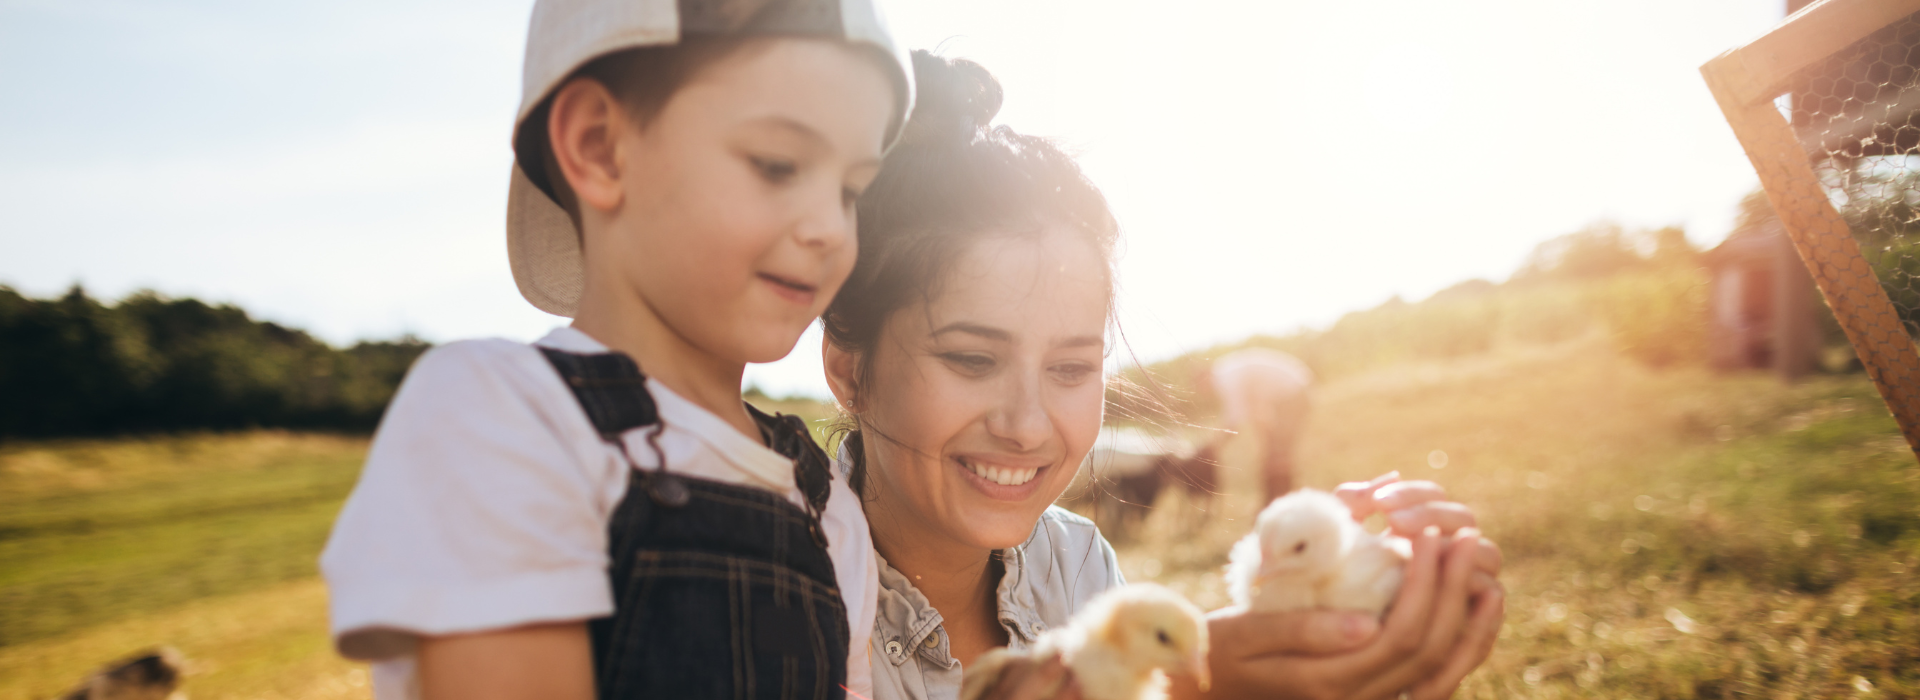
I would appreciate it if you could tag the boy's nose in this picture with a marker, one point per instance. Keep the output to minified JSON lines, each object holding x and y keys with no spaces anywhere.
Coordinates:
{"x":827,"y":225}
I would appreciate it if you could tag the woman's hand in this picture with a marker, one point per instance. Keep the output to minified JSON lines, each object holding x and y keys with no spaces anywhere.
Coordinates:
{"x":1034,"y":679}
{"x":1437,"y":633}
{"x":1411,"y":507}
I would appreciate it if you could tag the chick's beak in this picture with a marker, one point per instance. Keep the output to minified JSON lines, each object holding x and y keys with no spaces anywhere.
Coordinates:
{"x":1196,"y":666}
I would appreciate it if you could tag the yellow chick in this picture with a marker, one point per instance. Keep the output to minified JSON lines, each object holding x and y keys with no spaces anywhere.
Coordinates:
{"x":1306,"y":551}
{"x":1119,"y":646}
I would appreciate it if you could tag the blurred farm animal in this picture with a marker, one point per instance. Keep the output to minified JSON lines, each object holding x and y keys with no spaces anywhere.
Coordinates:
{"x":150,"y":675}
{"x":1132,"y":467}
{"x":1263,"y":393}
{"x":1119,"y":646}
{"x":1307,"y":551}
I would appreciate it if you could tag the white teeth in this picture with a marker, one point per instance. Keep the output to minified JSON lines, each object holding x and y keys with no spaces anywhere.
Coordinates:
{"x":1002,"y":475}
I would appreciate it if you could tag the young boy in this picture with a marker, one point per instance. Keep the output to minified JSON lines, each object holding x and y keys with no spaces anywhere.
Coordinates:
{"x":545,"y":521}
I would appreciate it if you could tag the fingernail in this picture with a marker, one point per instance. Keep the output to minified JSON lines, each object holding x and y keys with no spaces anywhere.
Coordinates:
{"x":1431,"y":531}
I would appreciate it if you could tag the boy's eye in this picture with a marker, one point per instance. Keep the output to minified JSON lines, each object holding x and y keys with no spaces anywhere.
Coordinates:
{"x":848,"y":196}
{"x":969,"y":362}
{"x":772,"y":169}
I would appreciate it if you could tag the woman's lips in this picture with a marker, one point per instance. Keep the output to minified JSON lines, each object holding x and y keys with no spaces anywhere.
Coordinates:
{"x":791,"y":290}
{"x":1001,"y":481}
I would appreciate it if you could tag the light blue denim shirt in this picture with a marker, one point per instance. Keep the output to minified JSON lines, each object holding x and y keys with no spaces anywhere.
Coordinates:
{"x":1061,"y":566}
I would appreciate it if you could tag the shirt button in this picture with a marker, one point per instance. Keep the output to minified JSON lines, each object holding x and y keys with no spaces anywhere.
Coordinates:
{"x":933,"y":640}
{"x":893,"y":647}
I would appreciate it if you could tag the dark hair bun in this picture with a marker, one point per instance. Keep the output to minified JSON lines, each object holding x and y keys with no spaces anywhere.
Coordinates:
{"x":954,"y":99}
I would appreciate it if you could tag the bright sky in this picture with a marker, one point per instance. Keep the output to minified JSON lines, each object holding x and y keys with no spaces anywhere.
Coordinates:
{"x":342,"y":166}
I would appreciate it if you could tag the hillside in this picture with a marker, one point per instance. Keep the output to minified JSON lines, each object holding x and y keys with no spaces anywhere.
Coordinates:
{"x":1670,"y":533}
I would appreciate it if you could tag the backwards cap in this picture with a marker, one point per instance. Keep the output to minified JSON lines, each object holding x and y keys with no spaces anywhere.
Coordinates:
{"x":542,"y":245}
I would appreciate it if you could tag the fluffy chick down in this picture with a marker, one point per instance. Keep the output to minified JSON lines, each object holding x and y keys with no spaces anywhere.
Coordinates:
{"x":1306,"y":551}
{"x":1119,"y":647}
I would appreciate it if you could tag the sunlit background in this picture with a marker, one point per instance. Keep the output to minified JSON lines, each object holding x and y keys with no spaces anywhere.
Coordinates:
{"x":341,"y":167}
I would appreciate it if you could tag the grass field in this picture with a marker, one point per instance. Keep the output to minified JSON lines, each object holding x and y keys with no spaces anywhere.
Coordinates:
{"x":1669,"y":534}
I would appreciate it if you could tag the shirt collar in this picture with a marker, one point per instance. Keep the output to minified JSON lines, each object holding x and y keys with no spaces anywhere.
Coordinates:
{"x":906,"y":624}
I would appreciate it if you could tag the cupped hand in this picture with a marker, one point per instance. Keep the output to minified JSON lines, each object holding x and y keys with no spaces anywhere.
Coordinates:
{"x":1034,"y":679}
{"x":1438,"y":631}
{"x":1411,"y":507}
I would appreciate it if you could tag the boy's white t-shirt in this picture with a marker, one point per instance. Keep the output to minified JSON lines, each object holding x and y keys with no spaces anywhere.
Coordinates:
{"x":485,"y":501}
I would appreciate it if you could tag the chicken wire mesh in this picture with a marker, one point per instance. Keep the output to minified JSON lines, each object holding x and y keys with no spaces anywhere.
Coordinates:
{"x":1824,"y":105}
{"x":1857,"y":114}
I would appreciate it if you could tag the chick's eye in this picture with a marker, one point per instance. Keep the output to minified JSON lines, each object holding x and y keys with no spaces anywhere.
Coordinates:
{"x":773,"y":170}
{"x":1162,"y":636}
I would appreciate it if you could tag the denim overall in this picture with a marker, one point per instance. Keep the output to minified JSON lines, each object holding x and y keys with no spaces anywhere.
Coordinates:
{"x":720,"y":590}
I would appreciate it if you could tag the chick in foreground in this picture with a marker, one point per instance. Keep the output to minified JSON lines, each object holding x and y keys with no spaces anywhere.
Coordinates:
{"x":1119,"y":647}
{"x":1306,"y":551}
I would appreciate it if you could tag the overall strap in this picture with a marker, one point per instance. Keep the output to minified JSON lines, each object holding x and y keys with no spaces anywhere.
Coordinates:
{"x":610,"y":387}
{"x":613,"y":392}
{"x":788,"y":435}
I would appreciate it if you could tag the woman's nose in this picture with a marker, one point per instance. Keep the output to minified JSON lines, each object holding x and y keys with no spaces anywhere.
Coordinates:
{"x":1022,"y":417}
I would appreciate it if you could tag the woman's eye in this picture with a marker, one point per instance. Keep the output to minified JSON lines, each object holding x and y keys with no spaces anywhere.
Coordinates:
{"x":848,"y":196}
{"x":968,"y":362}
{"x":1073,"y":373}
{"x":773,"y":170}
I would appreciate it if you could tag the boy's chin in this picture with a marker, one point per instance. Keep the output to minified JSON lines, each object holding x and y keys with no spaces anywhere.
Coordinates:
{"x":770,"y":347}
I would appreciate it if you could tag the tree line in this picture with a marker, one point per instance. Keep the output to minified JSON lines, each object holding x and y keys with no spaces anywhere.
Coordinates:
{"x":74,"y":366}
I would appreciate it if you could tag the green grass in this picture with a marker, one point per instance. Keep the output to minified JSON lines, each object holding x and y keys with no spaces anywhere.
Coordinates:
{"x":1777,"y":524}
{"x":92,"y":532}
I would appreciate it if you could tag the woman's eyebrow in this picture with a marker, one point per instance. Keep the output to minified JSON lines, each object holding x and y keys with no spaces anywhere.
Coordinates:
{"x":987,"y":332}
{"x":1081,"y":341}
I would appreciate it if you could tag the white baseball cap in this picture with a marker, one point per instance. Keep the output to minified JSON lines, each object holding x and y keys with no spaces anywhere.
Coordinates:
{"x":543,"y":247}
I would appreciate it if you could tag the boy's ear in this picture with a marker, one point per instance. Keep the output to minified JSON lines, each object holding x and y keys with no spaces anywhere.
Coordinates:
{"x":841,"y":368}
{"x":583,"y":131}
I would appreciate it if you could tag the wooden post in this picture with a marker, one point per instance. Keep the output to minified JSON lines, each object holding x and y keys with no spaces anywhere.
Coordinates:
{"x":1794,"y":340}
{"x":1745,"y":82}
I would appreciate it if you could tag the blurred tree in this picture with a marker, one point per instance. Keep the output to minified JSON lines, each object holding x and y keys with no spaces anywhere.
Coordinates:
{"x":73,"y":366}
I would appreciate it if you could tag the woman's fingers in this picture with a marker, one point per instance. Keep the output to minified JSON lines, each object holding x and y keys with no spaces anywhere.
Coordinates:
{"x":1028,"y":679}
{"x":1070,"y":691}
{"x":1359,"y":495}
{"x":1298,"y":632}
{"x":1402,"y":494}
{"x":1488,"y":557}
{"x":1474,"y":647}
{"x":1448,"y":615}
{"x":1446,"y":515}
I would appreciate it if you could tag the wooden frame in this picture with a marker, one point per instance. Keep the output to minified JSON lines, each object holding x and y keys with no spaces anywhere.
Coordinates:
{"x":1745,"y":81}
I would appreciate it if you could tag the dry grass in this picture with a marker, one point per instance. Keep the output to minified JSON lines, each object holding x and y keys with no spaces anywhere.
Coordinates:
{"x":1670,"y":534}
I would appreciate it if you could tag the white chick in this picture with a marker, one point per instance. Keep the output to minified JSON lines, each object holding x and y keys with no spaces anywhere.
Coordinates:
{"x":1306,"y":551}
{"x":1118,"y":646}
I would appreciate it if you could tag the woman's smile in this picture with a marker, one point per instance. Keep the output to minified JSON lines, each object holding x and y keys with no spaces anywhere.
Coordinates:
{"x":1001,"y":479}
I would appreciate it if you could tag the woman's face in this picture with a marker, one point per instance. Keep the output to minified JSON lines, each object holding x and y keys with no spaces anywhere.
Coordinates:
{"x":983,"y":402}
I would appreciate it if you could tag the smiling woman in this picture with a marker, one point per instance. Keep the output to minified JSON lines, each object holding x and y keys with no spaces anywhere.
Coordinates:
{"x":968,"y":345}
